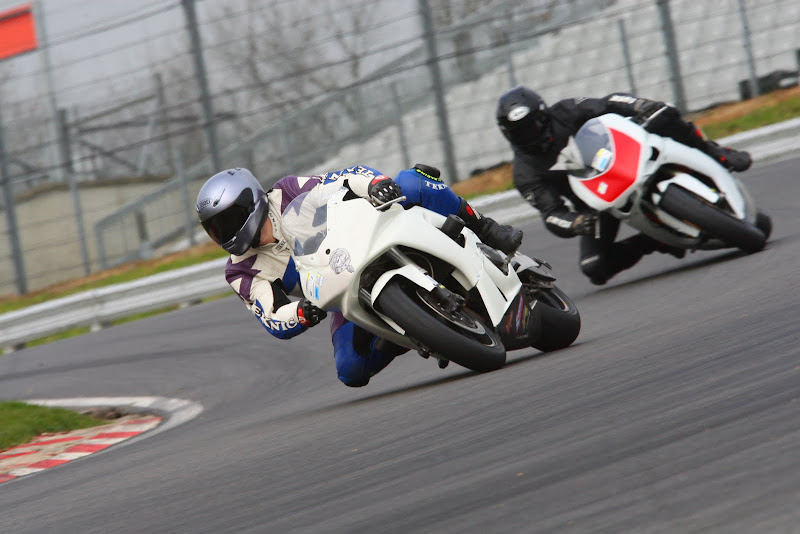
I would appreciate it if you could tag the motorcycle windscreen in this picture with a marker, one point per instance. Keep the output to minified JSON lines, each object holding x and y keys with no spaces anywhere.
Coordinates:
{"x":611,"y":160}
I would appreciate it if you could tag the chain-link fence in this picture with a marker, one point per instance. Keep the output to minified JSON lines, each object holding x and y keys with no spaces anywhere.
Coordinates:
{"x":423,"y":90}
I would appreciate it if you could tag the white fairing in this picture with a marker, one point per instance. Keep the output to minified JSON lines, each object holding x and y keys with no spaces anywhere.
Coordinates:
{"x":358,"y":234}
{"x":587,"y":170}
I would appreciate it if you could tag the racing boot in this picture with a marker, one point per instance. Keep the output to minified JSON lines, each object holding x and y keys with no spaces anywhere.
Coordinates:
{"x":731,"y":159}
{"x":503,"y":237}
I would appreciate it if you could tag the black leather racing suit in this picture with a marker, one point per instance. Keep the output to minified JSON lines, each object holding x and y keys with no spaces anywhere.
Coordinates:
{"x":546,"y":190}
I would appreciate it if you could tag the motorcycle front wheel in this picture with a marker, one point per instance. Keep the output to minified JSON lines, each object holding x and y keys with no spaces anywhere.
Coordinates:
{"x":460,"y":336}
{"x":685,"y":206}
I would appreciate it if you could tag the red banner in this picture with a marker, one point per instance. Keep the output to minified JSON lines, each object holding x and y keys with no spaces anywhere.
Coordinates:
{"x":17,"y":31}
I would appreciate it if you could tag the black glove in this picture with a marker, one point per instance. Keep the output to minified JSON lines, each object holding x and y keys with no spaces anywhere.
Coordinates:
{"x":382,"y":191}
{"x":308,"y":314}
{"x":645,"y":108}
{"x":584,"y":224}
{"x":658,"y":117}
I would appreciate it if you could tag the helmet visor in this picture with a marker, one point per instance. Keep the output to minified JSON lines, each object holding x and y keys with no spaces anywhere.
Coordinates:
{"x":529,"y":130}
{"x":224,"y":226}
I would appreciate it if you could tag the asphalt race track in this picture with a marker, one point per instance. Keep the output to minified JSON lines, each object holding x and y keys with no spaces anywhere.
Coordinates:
{"x":676,"y":411}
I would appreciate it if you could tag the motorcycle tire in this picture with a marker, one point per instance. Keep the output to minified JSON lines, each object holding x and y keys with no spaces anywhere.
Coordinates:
{"x":481,"y":353}
{"x":764,"y":223}
{"x":685,"y":206}
{"x":561,"y":321}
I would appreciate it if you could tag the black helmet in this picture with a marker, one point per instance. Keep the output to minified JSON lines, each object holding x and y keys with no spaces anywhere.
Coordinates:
{"x":523,"y":118}
{"x":232,"y":207}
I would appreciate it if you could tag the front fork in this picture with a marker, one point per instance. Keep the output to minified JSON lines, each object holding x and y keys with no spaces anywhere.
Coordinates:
{"x":521,"y":326}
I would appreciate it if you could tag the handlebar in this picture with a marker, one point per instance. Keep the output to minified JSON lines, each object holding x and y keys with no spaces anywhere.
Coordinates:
{"x":385,"y":205}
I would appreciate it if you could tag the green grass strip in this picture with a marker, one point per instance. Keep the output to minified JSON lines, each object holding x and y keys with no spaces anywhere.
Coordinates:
{"x":764,"y":116}
{"x":21,"y":422}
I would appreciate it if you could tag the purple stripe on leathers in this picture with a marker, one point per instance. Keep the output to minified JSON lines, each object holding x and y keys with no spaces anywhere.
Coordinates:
{"x":290,"y":187}
{"x":337,"y":320}
{"x":244,"y":270}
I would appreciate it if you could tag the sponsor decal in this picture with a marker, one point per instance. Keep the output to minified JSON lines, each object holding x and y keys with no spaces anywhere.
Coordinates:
{"x":437,"y":187}
{"x":360,"y":169}
{"x":602,"y":188}
{"x":314,"y":283}
{"x":340,"y":261}
{"x":278,"y":326}
{"x":624,"y":99}
{"x":203,"y":203}
{"x":518,"y":113}
{"x":561,"y":223}
{"x":428,"y":176}
{"x":602,"y":160}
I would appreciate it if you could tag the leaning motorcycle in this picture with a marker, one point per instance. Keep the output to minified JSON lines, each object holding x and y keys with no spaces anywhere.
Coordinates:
{"x":673,"y":193}
{"x":423,"y":281}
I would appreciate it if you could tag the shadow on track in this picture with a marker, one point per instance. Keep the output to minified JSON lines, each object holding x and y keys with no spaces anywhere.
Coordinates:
{"x":525,"y":355}
{"x":694,"y":266}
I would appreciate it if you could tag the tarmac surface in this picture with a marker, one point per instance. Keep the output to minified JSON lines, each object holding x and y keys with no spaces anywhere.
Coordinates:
{"x":675,"y":411}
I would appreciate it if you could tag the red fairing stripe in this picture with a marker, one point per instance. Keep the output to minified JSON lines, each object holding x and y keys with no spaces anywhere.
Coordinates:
{"x":622,"y":173}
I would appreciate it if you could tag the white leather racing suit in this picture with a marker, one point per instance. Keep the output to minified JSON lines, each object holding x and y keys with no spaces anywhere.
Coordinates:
{"x":264,"y":276}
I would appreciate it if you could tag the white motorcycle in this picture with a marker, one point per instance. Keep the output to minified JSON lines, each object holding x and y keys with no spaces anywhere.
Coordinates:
{"x":422,"y":281}
{"x":669,"y":191}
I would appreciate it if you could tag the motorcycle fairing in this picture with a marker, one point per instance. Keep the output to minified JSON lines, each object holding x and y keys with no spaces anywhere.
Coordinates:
{"x":612,"y":183}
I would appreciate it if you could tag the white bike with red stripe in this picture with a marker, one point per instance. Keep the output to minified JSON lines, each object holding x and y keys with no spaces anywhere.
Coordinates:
{"x":669,"y":191}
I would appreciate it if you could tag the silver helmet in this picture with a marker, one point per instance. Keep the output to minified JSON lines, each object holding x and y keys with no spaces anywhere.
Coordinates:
{"x":232,"y":207}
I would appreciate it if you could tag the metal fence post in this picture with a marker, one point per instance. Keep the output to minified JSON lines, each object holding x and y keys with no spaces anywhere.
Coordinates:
{"x":163,"y":118}
{"x":49,"y":84}
{"x":286,"y":143}
{"x":512,"y":75}
{"x":401,"y":130}
{"x":748,"y":48}
{"x":145,"y":249}
{"x":438,"y":91}
{"x":189,"y":219}
{"x":102,"y":261}
{"x":626,"y":54}
{"x":672,"y":55}
{"x":66,"y":165}
{"x":11,"y":217}
{"x":202,"y":82}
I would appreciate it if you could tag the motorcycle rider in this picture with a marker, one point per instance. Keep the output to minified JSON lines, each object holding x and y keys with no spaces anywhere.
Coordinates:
{"x":245,"y":220}
{"x":537,"y":134}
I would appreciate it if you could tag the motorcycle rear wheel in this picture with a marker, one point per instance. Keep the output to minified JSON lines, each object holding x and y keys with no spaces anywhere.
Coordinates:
{"x":560,"y":319}
{"x":481,"y":352}
{"x":683,"y":205}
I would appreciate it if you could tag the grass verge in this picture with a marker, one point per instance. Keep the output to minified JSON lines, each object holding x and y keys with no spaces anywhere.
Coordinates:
{"x":21,"y":422}
{"x":739,"y":117}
